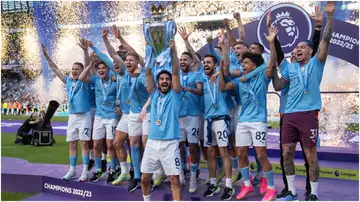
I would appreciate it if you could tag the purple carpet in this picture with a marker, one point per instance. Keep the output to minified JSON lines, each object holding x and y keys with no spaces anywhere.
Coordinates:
{"x":19,"y":175}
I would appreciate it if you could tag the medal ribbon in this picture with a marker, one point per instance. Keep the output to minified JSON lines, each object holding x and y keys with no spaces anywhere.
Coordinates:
{"x":304,"y":81}
{"x":74,"y":86}
{"x":105,"y":92}
{"x":162,"y":102}
{"x":212,"y":95}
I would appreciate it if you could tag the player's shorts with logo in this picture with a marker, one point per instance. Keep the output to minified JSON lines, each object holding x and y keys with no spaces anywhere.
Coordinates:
{"x":300,"y":126}
{"x":251,"y":134}
{"x":79,"y":127}
{"x":189,"y":129}
{"x":104,"y":128}
{"x":161,"y":153}
{"x":137,"y":127}
{"x":220,"y":133}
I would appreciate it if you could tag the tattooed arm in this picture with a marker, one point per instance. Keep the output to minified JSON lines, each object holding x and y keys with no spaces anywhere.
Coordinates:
{"x":325,"y":42}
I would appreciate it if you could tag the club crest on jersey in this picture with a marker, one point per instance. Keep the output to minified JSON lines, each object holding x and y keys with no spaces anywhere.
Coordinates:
{"x":113,"y":78}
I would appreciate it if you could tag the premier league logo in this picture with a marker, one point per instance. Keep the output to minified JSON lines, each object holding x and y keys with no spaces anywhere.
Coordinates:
{"x":293,"y":23}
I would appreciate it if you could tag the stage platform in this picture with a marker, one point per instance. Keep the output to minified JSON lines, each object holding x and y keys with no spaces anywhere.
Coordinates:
{"x":45,"y":180}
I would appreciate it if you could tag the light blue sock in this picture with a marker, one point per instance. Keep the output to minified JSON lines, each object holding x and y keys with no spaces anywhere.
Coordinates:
{"x":245,"y":173}
{"x":98,"y":163}
{"x":135,"y":155}
{"x":85,"y":160}
{"x":194,"y":167}
{"x":219,"y":162}
{"x":73,"y":160}
{"x":234,"y":162}
{"x":182,"y":166}
{"x":269,"y":177}
{"x":113,"y":164}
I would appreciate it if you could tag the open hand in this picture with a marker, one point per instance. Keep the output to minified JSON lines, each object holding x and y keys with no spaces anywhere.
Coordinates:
{"x":183,"y":33}
{"x":105,"y":33}
{"x":318,"y":15}
{"x":83,"y":44}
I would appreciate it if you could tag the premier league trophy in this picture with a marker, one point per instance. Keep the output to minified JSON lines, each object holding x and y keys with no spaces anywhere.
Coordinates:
{"x":159,"y":29}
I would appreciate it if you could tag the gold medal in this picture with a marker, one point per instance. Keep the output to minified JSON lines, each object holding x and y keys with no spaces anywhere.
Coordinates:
{"x":117,"y":102}
{"x":127,"y":101}
{"x":158,"y":122}
{"x":214,"y":106}
{"x":304,"y":91}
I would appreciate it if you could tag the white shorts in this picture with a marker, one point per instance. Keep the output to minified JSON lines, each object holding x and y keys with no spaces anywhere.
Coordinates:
{"x":123,"y":123}
{"x":201,"y":128}
{"x":220,"y":134}
{"x":137,"y":127}
{"x":79,"y":127}
{"x":251,"y":134}
{"x":161,"y":153}
{"x":104,"y":128}
{"x":233,"y":122}
{"x":189,"y":129}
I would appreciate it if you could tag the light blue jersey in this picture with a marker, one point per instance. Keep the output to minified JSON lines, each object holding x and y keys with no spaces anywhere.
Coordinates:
{"x":165,"y":110}
{"x":105,"y":93}
{"x":138,"y":94}
{"x":78,"y":96}
{"x":190,"y":103}
{"x":122,"y":92}
{"x":214,"y":98}
{"x":283,"y":96}
{"x":253,"y":98}
{"x":304,"y":85}
{"x":92,"y":99}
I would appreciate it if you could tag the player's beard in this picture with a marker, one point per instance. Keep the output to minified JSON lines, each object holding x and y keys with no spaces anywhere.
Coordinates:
{"x":165,"y":89}
{"x":185,"y":69}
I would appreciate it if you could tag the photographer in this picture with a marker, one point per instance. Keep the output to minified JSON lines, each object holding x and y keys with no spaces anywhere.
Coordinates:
{"x":23,"y":135}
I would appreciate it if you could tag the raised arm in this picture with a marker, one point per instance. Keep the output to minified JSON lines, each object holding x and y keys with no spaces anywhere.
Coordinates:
{"x":83,"y":45}
{"x":102,"y":56}
{"x":241,"y":28}
{"x":53,"y":66}
{"x":225,"y":56}
{"x":325,"y":42}
{"x":318,"y":17}
{"x":278,"y":82}
{"x":110,"y":49}
{"x":126,"y":45}
{"x":230,"y":36}
{"x":224,"y":86}
{"x":150,"y":84}
{"x":272,"y":64}
{"x":175,"y":68}
{"x":185,"y":36}
{"x":84,"y":76}
{"x":211,"y":48}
